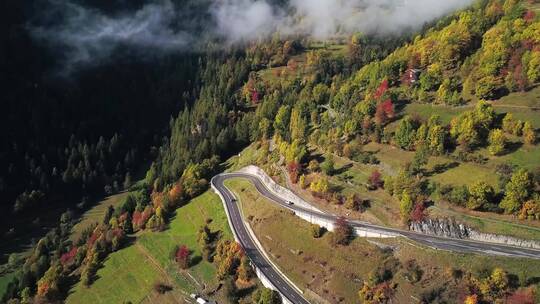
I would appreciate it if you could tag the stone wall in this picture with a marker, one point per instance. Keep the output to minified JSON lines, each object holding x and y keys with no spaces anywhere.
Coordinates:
{"x":314,"y":219}
{"x":453,"y":229}
{"x":276,"y":188}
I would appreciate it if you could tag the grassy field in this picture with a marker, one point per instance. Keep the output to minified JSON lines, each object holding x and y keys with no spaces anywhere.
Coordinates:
{"x":273,"y":75}
{"x":125,"y":276}
{"x":523,"y":105}
{"x":248,"y":156}
{"x":129,"y":274}
{"x":312,"y":263}
{"x":426,"y":110}
{"x":4,"y":281}
{"x":336,"y":273}
{"x":466,"y":174}
{"x":525,"y":157}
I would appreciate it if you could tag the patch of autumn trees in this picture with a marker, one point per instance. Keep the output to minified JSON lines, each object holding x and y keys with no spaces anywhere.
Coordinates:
{"x":497,"y":286}
{"x":233,"y":267}
{"x":487,"y":286}
{"x":45,"y":272}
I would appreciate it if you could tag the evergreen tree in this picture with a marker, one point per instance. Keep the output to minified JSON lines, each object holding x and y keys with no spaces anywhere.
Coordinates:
{"x":405,"y":133}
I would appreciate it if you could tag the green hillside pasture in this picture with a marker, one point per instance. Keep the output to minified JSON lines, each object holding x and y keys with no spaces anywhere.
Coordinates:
{"x":129,"y":274}
{"x":426,"y":110}
{"x":4,"y":281}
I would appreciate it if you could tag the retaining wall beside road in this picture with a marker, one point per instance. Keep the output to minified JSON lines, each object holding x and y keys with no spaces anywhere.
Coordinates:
{"x":276,"y":188}
{"x":289,"y":195}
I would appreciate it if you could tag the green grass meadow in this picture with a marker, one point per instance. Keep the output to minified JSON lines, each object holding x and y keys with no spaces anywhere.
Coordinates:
{"x":129,"y":274}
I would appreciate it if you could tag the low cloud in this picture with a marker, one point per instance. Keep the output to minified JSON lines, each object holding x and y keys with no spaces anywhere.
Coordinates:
{"x":84,"y":35}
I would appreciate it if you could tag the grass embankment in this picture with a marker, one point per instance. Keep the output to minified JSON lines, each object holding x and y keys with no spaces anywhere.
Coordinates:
{"x":129,"y":274}
{"x":311,"y":263}
{"x":336,"y":273}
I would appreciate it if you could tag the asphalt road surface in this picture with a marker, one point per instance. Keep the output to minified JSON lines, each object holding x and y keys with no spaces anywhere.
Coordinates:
{"x":250,"y":248}
{"x":437,"y":242}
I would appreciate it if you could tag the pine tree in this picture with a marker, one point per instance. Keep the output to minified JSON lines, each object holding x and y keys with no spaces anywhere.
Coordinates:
{"x":405,"y":133}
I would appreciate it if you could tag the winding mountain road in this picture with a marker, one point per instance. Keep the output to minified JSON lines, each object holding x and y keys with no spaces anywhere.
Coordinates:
{"x":285,"y":288}
{"x":251,"y":250}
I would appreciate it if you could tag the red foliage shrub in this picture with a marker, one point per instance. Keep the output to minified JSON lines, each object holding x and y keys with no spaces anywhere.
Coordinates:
{"x":254,"y":97}
{"x":343,"y":232}
{"x":383,"y":87}
{"x":92,"y":239}
{"x":418,"y":214}
{"x":520,"y":78}
{"x":385,"y":111}
{"x":294,"y":169}
{"x":136,"y":219}
{"x":521,"y":296}
{"x":67,"y":257}
{"x":122,"y":218}
{"x":176,"y":193}
{"x":529,"y":16}
{"x":182,"y":257}
{"x":375,"y":180}
{"x":388,"y":108}
{"x":118,"y":232}
{"x":43,"y":289}
{"x":527,"y":44}
{"x":139,"y":219}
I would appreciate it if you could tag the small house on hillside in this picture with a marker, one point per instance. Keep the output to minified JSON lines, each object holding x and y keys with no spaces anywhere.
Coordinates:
{"x":412,"y":75}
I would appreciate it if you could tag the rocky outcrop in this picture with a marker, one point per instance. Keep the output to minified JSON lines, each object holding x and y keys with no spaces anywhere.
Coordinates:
{"x":441,"y":227}
{"x":453,"y":229}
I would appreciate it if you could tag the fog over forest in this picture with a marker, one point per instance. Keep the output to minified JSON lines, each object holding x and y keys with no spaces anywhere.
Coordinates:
{"x":82,"y":34}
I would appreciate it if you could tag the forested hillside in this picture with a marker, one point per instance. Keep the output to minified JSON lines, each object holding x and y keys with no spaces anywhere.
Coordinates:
{"x":176,"y":117}
{"x":67,"y":139}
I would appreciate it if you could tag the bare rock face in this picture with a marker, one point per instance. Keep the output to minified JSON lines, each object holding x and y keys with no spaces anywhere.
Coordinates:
{"x":453,"y":229}
{"x":441,"y":227}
